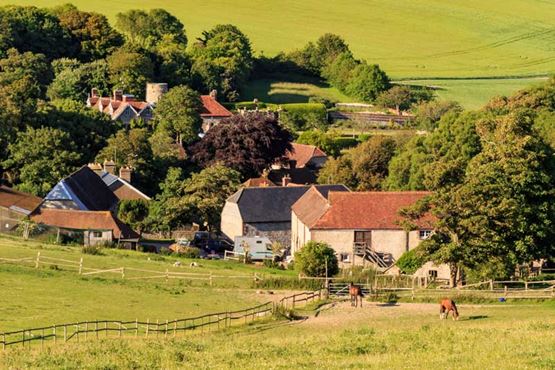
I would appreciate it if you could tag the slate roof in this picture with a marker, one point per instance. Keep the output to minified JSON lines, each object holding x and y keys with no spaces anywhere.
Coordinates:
{"x":273,"y":204}
{"x":113,"y":182}
{"x":368,"y":210}
{"x":18,"y":201}
{"x":84,"y":220}
{"x":82,"y":190}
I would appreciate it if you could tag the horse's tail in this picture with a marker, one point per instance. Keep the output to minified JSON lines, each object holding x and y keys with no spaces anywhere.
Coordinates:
{"x":360,"y":293}
{"x":455,"y":308}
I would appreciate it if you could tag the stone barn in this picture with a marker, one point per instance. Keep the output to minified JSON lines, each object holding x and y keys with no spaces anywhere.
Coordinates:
{"x":266,"y":211}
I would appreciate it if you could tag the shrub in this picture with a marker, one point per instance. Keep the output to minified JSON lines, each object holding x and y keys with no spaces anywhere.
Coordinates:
{"x":410,"y":261}
{"x":189,"y":252}
{"x":165,"y":251}
{"x":92,"y":250}
{"x":273,"y":264}
{"x":313,"y":257}
{"x":303,"y":116}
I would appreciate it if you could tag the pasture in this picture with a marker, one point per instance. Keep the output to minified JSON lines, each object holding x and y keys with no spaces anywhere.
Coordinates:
{"x":429,"y":38}
{"x":336,"y":336}
{"x":56,"y":293}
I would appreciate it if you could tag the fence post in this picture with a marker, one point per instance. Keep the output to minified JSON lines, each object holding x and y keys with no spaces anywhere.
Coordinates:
{"x":37,"y":261}
{"x":65,"y":333}
{"x":86,"y":330}
{"x":505,"y":291}
{"x":491,"y":285}
{"x":96,"y":328}
{"x":81,"y":266}
{"x":123,"y":272}
{"x":54,"y":331}
{"x":525,"y":285}
{"x":157,"y":328}
{"x":166,"y":331}
{"x":23,"y":341}
{"x":147,"y":327}
{"x":175,"y":328}
{"x":4,"y":341}
{"x":119,"y":334}
{"x":294,"y":297}
{"x":167,"y":275}
{"x":42,"y":339}
{"x":210,"y":278}
{"x":136,"y":327}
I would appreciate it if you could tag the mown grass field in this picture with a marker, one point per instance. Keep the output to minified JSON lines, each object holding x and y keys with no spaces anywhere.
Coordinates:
{"x":33,"y":297}
{"x":340,"y":337}
{"x":429,"y":38}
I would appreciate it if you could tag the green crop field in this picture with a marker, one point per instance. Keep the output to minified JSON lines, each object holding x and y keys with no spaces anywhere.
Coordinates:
{"x":377,"y":336}
{"x":54,"y":295}
{"x":409,"y":39}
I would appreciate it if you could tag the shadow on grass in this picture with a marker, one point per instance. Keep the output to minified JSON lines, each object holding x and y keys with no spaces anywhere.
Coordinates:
{"x":477,"y":317}
{"x":387,"y":304}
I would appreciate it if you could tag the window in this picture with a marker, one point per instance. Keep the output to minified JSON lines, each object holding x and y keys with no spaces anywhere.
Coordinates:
{"x":97,"y":234}
{"x":344,"y":257}
{"x":424,"y":234}
{"x":432,"y":274}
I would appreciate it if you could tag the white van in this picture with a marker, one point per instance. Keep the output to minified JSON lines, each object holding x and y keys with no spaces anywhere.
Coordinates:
{"x":260,"y":248}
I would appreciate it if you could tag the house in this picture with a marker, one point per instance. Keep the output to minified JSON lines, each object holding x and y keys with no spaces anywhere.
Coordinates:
{"x":120,"y":185}
{"x":82,"y":190}
{"x":362,"y":227}
{"x":15,"y":206}
{"x":121,"y":107}
{"x":301,"y":166}
{"x":97,"y":227}
{"x":212,"y":111}
{"x":266,"y":211}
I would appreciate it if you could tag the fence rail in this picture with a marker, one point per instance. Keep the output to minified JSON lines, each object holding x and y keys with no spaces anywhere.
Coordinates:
{"x":84,"y":330}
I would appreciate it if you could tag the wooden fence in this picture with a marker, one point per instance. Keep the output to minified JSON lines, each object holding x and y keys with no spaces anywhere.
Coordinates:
{"x":85,"y":330}
{"x":127,"y":273}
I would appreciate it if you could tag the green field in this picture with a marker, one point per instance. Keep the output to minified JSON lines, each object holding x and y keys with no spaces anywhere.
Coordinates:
{"x":45,"y":296}
{"x":339,"y":337}
{"x":428,"y":38}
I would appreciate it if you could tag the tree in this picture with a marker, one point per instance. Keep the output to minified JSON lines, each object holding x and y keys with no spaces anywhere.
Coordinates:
{"x":92,"y":32}
{"x":34,"y":68}
{"x":148,"y":29}
{"x":340,"y":70}
{"x":327,"y":141}
{"x":75,"y":81}
{"x":362,"y":168}
{"x":178,"y":114}
{"x":134,"y":213}
{"x":429,"y":113}
{"x":39,"y":158}
{"x":30,"y":29}
{"x":223,"y":60}
{"x":206,"y":193}
{"x":130,"y":71}
{"x":314,"y":257}
{"x":367,"y":82}
{"x":398,"y":97}
{"x":247,"y":143}
{"x":166,"y":212}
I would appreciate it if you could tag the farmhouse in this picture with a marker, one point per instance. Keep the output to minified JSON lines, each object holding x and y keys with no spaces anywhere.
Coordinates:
{"x":266,"y":211}
{"x":301,"y":166}
{"x":121,"y":107}
{"x":212,"y":111}
{"x":96,"y":227}
{"x":82,"y":190}
{"x":120,"y":185}
{"x":360,"y":226}
{"x":15,"y":206}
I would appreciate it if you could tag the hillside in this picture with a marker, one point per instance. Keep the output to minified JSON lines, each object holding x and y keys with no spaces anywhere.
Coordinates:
{"x":429,"y":38}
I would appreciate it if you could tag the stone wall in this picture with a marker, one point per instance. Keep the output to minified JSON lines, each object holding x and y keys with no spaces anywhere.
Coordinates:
{"x":275,"y":231}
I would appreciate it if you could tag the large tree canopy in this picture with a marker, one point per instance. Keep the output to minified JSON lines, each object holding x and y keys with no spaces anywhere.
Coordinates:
{"x":130,"y":71}
{"x":248,"y":143}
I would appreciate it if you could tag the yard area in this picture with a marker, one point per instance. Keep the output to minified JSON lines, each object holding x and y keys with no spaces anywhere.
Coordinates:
{"x":405,"y":335}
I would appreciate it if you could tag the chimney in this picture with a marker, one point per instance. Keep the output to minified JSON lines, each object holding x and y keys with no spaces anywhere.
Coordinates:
{"x":125,"y":173}
{"x":214,"y":94}
{"x":96,"y":167}
{"x":128,"y":97}
{"x":154,"y":91}
{"x":118,"y":94}
{"x":292,"y":164}
{"x":94,"y":92}
{"x":285,"y":180}
{"x":110,"y":167}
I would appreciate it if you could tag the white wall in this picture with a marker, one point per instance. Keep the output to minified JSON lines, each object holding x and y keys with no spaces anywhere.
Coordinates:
{"x":232,"y":223}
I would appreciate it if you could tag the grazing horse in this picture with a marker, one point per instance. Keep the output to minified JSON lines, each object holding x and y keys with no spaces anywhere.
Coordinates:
{"x":447,"y":305}
{"x":355,"y":291}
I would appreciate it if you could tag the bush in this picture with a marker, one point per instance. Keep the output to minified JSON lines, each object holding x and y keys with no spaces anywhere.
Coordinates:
{"x":95,"y":250}
{"x":410,"y":261}
{"x":273,"y":264}
{"x":299,"y":116}
{"x":311,"y":260}
{"x":189,"y":252}
{"x":164,"y":251}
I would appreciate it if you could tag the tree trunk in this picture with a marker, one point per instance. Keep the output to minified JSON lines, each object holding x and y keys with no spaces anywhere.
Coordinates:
{"x":453,"y":269}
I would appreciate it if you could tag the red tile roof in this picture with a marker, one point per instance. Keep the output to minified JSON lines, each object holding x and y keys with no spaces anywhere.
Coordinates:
{"x":303,"y":153}
{"x":258,"y":182}
{"x":17,"y":200}
{"x":211,"y":108}
{"x":84,"y":220}
{"x":368,"y":210}
{"x":310,"y":207}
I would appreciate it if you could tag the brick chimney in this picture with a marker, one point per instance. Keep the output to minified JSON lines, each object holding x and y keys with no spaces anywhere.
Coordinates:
{"x":125,"y":173}
{"x":214,"y":94}
{"x":96,"y":167}
{"x":110,"y":167}
{"x":128,"y":97}
{"x":118,"y":95}
{"x":285,"y":180}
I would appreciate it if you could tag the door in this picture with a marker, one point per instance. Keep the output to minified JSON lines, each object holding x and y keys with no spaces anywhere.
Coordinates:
{"x":363,"y":238}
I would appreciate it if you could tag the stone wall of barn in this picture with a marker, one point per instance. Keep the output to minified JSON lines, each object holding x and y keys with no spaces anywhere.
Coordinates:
{"x":275,"y":231}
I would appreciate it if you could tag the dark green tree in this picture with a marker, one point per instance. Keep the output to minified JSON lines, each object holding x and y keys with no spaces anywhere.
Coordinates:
{"x":367,"y":82}
{"x":134,"y":213}
{"x":314,"y":257}
{"x":130,"y":71}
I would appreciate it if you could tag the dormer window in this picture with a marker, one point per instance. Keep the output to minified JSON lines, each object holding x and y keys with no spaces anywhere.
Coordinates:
{"x":424,"y":234}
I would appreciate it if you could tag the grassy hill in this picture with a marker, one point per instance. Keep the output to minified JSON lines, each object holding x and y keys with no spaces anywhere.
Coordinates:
{"x":429,"y":38}
{"x":56,"y":294}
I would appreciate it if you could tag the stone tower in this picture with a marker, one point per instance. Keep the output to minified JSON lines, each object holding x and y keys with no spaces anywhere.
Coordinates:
{"x":155,"y":90}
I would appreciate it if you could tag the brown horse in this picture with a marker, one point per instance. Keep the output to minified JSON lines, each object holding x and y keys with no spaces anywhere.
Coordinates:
{"x":447,"y":305}
{"x":355,"y":291}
